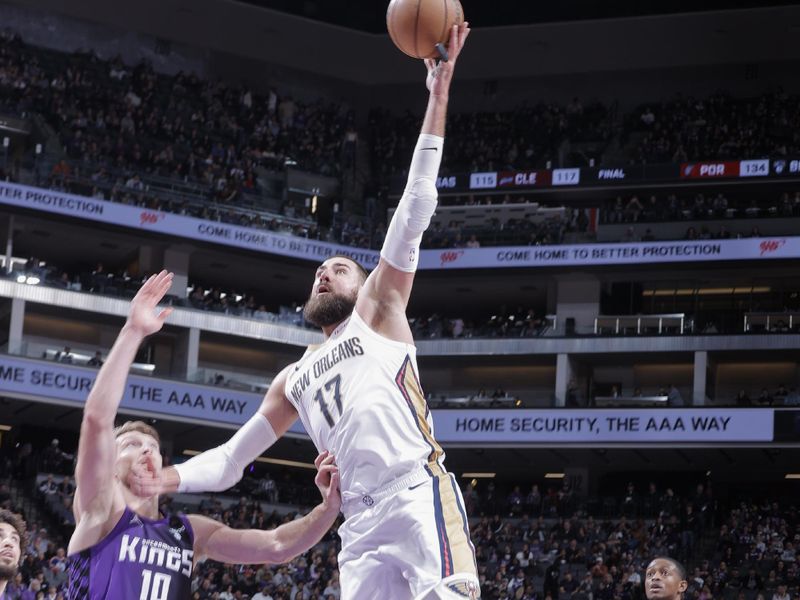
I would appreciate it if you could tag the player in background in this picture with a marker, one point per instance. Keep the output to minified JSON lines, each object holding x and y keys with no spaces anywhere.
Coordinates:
{"x":12,"y":541}
{"x":665,"y":579}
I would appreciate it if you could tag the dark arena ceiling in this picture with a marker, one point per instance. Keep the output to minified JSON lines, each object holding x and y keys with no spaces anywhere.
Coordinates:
{"x":370,"y":15}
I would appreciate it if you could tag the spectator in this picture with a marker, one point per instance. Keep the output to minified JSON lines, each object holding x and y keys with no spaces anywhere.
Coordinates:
{"x":516,"y":584}
{"x":551,"y":582}
{"x":764,"y":398}
{"x":525,"y":557}
{"x":262,"y":595}
{"x":632,"y":577}
{"x":630,"y":501}
{"x":742,"y":399}
{"x":53,"y":458}
{"x":792,"y":398}
{"x":67,"y":487}
{"x":48,"y":487}
{"x":56,"y":574}
{"x":599,"y":570}
{"x":781,"y":593}
{"x":64,"y":356}
{"x":752,"y":581}
{"x":633,"y":210}
{"x":269,"y":489}
{"x":780,"y":394}
{"x":533,"y":501}
{"x":96,"y":360}
{"x":674,"y":398}
{"x":16,"y":587}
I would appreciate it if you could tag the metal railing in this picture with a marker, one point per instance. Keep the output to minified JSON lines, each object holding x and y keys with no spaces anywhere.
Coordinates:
{"x":622,"y":323}
{"x":474,"y":401}
{"x":781,"y":321}
{"x":606,"y":401}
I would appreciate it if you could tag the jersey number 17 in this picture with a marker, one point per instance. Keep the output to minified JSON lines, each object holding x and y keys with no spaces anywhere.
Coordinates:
{"x":323,"y":397}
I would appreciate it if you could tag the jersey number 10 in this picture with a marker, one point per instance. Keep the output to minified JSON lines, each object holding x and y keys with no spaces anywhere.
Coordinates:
{"x":155,"y":586}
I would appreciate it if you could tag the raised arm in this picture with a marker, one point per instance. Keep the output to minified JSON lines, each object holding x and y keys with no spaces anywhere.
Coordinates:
{"x":252,"y":546}
{"x":382,"y":303}
{"x":220,"y":468}
{"x":94,"y":473}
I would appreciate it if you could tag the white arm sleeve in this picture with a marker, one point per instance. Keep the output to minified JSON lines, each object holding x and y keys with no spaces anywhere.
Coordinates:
{"x":218,"y":469}
{"x":416,"y":207}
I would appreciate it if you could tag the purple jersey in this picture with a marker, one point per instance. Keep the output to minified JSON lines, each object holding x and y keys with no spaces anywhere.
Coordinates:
{"x":140,"y":559}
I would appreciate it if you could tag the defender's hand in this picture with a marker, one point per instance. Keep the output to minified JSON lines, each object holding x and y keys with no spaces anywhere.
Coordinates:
{"x":142,"y":316}
{"x":327,"y":481}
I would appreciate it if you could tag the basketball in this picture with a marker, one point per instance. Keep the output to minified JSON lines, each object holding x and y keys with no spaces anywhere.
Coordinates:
{"x":416,"y":26}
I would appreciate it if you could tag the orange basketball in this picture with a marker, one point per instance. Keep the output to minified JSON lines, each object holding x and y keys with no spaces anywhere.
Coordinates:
{"x":416,"y":26}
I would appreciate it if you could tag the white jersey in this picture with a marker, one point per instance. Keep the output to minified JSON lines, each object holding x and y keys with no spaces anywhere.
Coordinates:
{"x":359,"y":397}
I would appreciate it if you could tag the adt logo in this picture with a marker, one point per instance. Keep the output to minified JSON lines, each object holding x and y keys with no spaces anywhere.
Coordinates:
{"x":450,"y":256}
{"x":770,"y":246}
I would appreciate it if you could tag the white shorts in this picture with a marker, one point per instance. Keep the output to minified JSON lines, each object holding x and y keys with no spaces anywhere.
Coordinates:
{"x":410,"y":544}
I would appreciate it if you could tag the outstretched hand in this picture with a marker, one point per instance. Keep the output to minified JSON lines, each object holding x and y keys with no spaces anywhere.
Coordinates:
{"x":327,"y":481}
{"x":142,"y":316}
{"x":440,"y":72}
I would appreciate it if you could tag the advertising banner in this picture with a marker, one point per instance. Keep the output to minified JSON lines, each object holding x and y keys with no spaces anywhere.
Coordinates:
{"x":45,"y":381}
{"x":269,"y":242}
{"x":595,"y":426}
{"x":611,"y":254}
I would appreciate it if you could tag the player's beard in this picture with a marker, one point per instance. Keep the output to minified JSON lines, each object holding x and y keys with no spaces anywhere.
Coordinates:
{"x":8,"y":572}
{"x":329,"y":309}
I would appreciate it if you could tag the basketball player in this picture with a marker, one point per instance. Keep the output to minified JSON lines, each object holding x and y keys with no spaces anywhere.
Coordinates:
{"x":665,"y":579}
{"x":121,"y":547}
{"x":12,"y":540}
{"x":358,"y":396}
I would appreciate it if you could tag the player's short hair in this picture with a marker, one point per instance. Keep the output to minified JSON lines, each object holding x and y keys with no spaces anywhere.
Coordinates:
{"x":16,"y":521}
{"x":139,"y":426}
{"x":361,"y":268}
{"x":678,"y":566}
